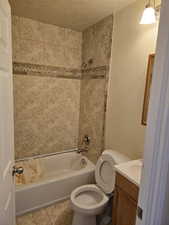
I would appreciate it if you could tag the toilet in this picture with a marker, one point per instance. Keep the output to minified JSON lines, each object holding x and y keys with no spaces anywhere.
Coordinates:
{"x":90,"y":200}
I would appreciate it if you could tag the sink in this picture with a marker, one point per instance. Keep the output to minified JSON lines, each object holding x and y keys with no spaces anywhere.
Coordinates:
{"x":131,"y":170}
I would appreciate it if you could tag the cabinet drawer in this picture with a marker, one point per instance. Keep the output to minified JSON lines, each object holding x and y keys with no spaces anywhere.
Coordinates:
{"x":131,"y":189}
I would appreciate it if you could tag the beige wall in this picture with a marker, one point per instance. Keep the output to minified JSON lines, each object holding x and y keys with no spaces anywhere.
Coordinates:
{"x":131,"y":46}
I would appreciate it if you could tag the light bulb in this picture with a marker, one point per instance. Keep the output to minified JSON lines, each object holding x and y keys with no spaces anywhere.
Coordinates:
{"x":149,"y":16}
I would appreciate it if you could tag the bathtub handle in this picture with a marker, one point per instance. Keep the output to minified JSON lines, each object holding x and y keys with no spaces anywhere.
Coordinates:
{"x":17,"y":170}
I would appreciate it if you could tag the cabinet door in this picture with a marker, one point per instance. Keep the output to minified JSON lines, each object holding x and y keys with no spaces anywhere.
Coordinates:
{"x":125,"y":209}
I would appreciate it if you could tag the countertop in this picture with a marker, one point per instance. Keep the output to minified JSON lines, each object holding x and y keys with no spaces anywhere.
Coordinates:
{"x":131,"y":170}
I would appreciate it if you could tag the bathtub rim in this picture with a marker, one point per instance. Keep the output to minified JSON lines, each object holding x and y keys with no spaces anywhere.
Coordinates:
{"x":75,"y":150}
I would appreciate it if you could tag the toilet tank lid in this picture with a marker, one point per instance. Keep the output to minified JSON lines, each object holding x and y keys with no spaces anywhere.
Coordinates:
{"x":117,"y":156}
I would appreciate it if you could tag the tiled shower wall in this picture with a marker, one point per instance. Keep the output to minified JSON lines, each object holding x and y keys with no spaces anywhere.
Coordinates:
{"x":47,"y":97}
{"x":45,"y":44}
{"x":96,"y":52}
{"x":58,"y":101}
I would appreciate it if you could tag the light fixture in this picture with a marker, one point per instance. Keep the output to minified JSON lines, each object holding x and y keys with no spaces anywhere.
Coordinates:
{"x":149,"y":14}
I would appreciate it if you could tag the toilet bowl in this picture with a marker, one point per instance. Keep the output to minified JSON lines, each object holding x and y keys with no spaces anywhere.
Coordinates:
{"x":91,"y":200}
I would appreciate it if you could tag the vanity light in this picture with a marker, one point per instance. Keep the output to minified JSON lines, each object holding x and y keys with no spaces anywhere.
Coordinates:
{"x":149,"y":14}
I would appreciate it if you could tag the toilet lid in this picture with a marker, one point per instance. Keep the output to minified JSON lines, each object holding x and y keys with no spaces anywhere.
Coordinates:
{"x":105,"y":173}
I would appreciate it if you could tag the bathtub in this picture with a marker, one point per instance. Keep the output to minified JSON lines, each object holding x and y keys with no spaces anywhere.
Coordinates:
{"x":59,"y":176}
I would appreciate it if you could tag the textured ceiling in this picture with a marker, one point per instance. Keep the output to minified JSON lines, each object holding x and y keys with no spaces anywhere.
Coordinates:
{"x":74,"y":14}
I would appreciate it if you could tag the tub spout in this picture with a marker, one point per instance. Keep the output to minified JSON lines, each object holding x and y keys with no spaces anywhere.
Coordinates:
{"x":85,"y":144}
{"x":80,"y":150}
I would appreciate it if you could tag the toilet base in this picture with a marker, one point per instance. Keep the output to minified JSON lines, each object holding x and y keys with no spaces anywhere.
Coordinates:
{"x":83,"y":219}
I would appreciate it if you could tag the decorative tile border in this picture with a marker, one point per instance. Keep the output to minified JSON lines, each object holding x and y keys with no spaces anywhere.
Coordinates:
{"x":47,"y":71}
{"x":59,"y":72}
{"x":95,"y":73}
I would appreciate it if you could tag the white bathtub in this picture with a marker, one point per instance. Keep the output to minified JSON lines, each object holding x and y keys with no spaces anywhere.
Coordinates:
{"x":61,"y":175}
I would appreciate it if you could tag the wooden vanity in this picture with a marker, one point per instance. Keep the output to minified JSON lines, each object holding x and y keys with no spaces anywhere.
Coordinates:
{"x":125,"y":197}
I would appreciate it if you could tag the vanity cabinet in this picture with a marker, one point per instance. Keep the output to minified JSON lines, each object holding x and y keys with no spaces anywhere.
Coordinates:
{"x":125,"y":201}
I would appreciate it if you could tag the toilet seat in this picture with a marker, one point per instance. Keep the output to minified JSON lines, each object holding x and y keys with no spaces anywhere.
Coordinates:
{"x":91,"y":199}
{"x":105,"y":173}
{"x":88,"y":199}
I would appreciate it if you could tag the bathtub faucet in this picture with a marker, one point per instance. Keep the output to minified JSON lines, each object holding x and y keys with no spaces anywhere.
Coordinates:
{"x":80,"y":150}
{"x":86,"y":140}
{"x":85,"y":144}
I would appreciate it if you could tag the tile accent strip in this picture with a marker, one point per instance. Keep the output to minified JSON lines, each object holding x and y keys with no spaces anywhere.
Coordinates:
{"x":46,"y":71}
{"x":59,"y":72}
{"x":95,"y":73}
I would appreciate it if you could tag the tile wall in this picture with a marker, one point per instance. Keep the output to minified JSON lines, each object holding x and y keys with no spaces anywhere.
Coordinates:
{"x":96,"y":53}
{"x":57,"y":101}
{"x":45,"y":44}
{"x":46,"y":87}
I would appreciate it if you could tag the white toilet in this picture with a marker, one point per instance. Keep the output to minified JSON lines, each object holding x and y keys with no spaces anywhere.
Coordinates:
{"x":90,"y":200}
